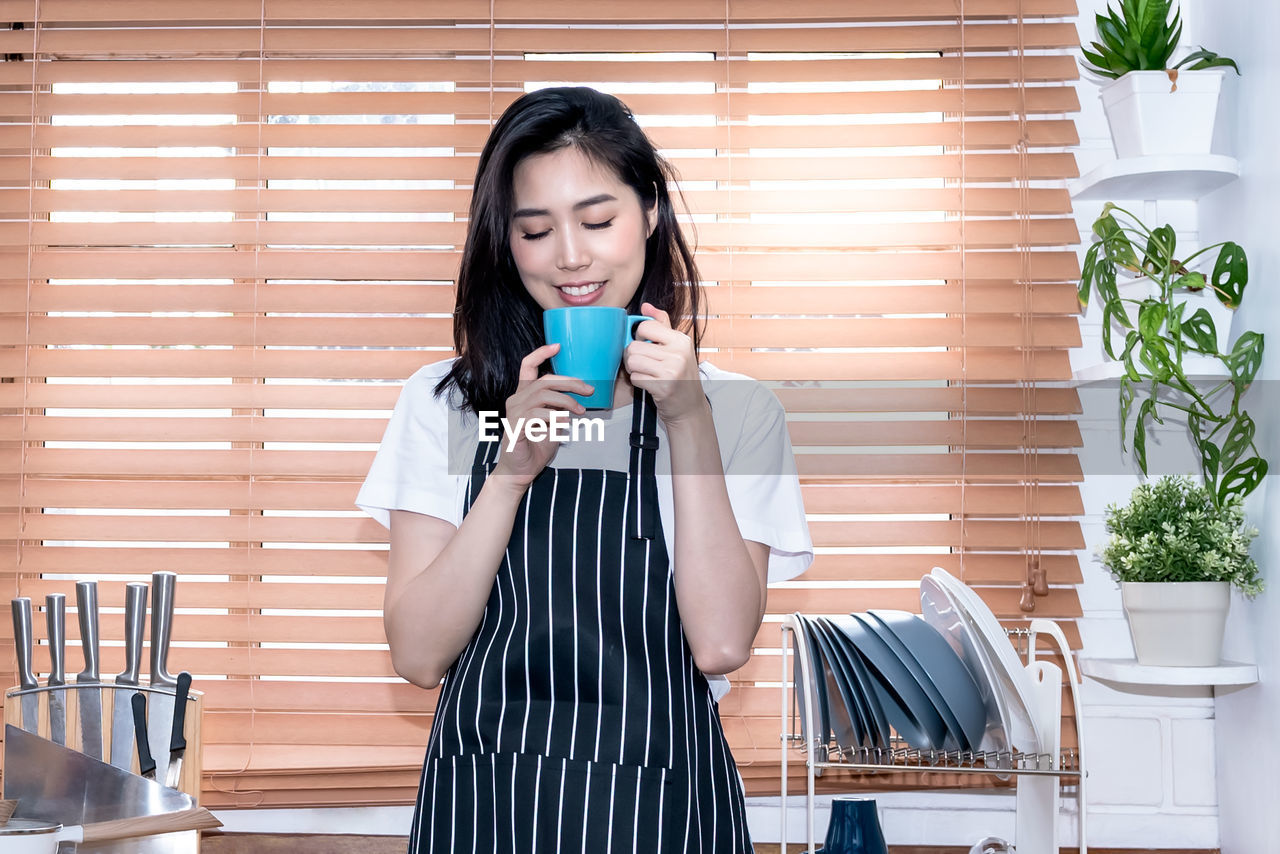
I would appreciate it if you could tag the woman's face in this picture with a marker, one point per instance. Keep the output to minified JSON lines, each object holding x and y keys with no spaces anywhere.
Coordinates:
{"x":578,"y":233}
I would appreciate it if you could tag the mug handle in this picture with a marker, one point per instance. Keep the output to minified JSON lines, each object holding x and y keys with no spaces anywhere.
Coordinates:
{"x":629,"y":334}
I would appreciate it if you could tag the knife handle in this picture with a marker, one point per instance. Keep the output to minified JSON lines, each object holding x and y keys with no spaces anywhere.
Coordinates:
{"x":87,"y":612}
{"x":179,"y":740}
{"x":55,"y":606}
{"x":146,"y":764}
{"x":135,"y":616}
{"x":22,"y":642}
{"x":162,"y":585}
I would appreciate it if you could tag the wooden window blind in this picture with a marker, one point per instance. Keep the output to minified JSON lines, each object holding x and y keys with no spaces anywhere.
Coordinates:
{"x":230,"y":228}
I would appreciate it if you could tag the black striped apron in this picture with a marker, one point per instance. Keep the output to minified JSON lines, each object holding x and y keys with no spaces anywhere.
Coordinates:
{"x":575,"y":719}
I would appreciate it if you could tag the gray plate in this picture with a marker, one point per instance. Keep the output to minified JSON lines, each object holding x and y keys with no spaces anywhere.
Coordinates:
{"x":906,"y":707}
{"x":862,"y":691}
{"x":822,"y":713}
{"x":959,"y":699}
{"x":846,"y":719}
{"x":797,"y":676}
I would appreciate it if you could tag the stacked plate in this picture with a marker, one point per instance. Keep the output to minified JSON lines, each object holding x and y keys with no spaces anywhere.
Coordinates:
{"x":947,"y":680}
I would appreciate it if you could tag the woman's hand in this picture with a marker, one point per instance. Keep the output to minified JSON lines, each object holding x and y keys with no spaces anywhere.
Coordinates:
{"x":535,"y":398}
{"x":666,"y":366}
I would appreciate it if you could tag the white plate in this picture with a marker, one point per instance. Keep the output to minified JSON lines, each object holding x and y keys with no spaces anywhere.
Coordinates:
{"x":940,"y":611}
{"x":1011,"y":682}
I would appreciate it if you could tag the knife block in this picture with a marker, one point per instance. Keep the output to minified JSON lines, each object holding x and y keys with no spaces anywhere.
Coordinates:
{"x":191,"y":765}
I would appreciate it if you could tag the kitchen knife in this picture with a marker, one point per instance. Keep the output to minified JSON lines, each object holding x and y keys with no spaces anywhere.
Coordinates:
{"x":90,"y":698}
{"x":178,"y":743}
{"x":26,"y":678}
{"x":160,"y":713}
{"x":55,"y":606}
{"x":146,"y":764}
{"x":135,"y":614}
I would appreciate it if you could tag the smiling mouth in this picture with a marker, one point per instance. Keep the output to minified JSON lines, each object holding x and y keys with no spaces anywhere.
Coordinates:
{"x":582,"y":290}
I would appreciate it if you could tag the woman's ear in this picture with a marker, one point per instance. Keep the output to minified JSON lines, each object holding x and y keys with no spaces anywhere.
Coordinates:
{"x":651,"y":215}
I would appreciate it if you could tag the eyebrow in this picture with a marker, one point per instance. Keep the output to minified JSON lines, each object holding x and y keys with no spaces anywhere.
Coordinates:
{"x":585,"y":203}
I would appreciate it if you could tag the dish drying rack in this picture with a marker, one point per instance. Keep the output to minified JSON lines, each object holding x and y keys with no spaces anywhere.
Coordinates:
{"x":1039,"y":775}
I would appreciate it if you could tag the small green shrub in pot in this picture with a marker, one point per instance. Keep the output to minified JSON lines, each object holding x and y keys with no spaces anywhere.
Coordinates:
{"x":1172,"y":529}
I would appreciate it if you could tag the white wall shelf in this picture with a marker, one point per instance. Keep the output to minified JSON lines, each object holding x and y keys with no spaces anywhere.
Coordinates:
{"x":1156,"y":177}
{"x":1196,"y":366}
{"x":1129,"y":672}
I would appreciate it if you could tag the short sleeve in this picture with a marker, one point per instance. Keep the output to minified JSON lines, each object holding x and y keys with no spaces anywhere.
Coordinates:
{"x":764,"y":488}
{"x":411,"y":468}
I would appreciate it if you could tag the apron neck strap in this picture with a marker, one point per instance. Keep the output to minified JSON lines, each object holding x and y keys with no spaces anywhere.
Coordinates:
{"x":642,"y":513}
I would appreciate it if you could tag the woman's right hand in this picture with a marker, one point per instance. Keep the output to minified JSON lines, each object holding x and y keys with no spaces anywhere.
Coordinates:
{"x":535,"y":397}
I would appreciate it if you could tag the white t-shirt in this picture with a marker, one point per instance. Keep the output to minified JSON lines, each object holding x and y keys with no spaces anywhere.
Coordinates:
{"x":424,"y":462}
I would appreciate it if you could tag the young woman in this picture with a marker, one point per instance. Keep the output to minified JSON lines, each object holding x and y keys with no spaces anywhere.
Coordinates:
{"x":581,"y":600}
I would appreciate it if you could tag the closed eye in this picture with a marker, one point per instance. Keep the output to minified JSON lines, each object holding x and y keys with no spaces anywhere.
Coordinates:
{"x":594,"y":226}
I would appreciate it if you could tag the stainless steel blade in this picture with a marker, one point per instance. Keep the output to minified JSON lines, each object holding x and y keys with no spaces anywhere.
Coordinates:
{"x":26,"y":677}
{"x":135,"y":613}
{"x":31,"y":712}
{"x":55,"y":783}
{"x":160,"y":705}
{"x":55,"y":605}
{"x":90,"y":699}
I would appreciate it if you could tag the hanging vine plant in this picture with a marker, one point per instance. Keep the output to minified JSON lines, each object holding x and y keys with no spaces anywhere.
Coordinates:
{"x":1159,"y":336}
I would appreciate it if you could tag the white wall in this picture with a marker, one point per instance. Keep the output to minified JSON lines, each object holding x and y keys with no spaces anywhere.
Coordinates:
{"x":1152,"y":752}
{"x":1246,"y":211}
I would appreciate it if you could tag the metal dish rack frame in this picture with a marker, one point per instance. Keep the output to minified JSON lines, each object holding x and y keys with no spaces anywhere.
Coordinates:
{"x":1039,"y":775}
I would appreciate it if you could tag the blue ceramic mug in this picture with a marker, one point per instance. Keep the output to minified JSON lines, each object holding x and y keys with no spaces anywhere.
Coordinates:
{"x":854,"y":828}
{"x":591,"y":339}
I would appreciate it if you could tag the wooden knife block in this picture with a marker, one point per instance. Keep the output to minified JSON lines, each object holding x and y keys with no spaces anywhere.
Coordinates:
{"x":191,"y":763}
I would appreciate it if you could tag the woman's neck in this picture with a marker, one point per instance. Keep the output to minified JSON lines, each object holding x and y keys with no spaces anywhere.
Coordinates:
{"x":621,"y":389}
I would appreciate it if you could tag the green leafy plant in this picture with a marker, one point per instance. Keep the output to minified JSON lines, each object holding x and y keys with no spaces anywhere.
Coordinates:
{"x":1175,"y":530}
{"x":1158,"y":334}
{"x":1142,"y":37}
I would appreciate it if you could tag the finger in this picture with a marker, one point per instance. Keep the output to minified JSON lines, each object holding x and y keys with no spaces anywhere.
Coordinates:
{"x":653,"y":331}
{"x":648,"y":309}
{"x":644,"y":366}
{"x":647,"y":348}
{"x":548,"y":399}
{"x":529,"y":364}
{"x":563,"y":383}
{"x":542,"y":397}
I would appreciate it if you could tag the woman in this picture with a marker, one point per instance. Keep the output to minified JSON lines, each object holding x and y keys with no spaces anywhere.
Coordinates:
{"x":575,"y":596}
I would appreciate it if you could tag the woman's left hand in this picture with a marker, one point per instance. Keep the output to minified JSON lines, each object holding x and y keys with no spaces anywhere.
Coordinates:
{"x":665,"y":365}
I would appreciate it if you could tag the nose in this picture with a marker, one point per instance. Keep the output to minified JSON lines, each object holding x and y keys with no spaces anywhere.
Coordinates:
{"x":571,"y":250}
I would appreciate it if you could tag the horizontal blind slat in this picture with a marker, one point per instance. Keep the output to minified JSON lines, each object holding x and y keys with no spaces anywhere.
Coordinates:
{"x":1034,"y":68}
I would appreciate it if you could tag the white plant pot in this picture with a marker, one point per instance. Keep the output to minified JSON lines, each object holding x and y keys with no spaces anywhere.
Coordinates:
{"x":1177,"y":624}
{"x":1147,"y":118}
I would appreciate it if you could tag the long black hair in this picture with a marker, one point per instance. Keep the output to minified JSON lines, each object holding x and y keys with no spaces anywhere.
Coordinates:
{"x":496,"y":322}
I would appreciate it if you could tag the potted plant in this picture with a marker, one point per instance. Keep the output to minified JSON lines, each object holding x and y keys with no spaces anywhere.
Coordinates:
{"x":1151,"y":107}
{"x":1171,"y":338}
{"x":1177,"y":551}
